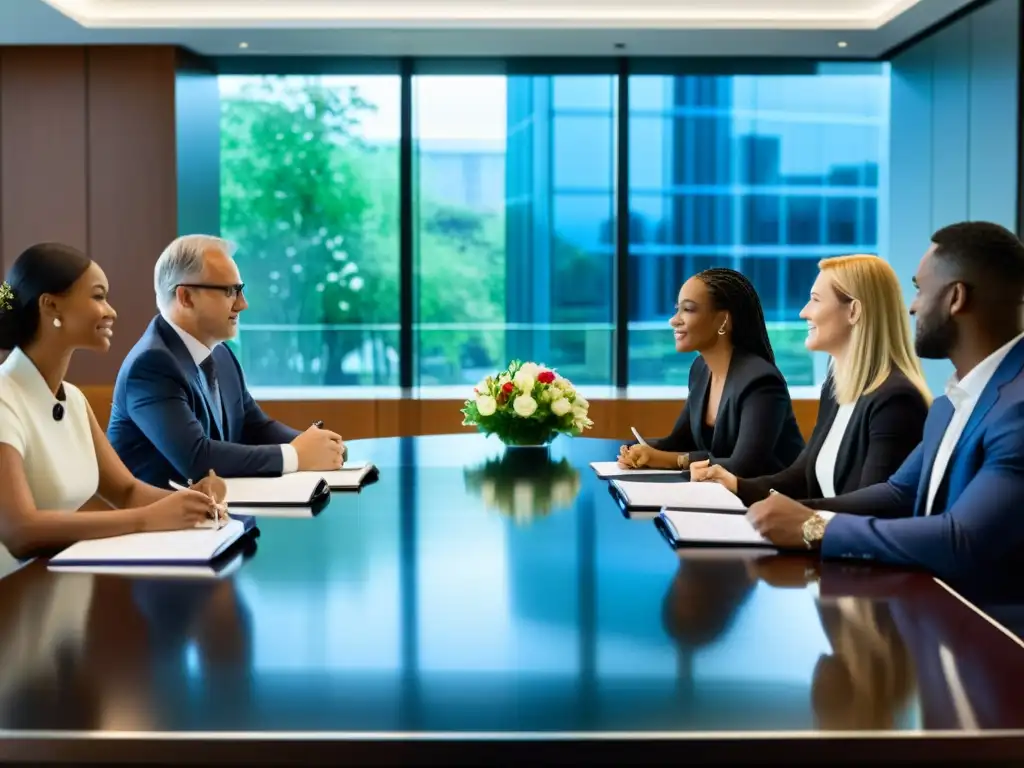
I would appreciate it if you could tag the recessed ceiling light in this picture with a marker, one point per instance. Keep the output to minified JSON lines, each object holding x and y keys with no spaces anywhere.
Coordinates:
{"x":246,"y":45}
{"x":841,"y":43}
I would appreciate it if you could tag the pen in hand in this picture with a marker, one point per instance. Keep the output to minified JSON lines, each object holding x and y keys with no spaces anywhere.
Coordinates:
{"x":637,"y":436}
{"x":216,"y":515}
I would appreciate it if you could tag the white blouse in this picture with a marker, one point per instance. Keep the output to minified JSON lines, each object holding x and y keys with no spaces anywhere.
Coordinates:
{"x":825,"y":465}
{"x":59,"y":456}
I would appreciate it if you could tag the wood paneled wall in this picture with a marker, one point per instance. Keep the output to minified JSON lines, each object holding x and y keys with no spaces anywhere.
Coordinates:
{"x":355,"y":419}
{"x":88,"y":158}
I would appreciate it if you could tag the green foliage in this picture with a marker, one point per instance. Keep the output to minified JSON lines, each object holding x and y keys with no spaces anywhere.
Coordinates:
{"x":314,"y":210}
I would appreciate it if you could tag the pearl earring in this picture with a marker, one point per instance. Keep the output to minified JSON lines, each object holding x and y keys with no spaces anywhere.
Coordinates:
{"x":57,"y":323}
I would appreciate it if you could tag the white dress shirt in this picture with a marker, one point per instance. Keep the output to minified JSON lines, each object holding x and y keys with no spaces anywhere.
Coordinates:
{"x":964,"y":396}
{"x":199,"y":352}
{"x":825,"y":464}
{"x":59,"y":457}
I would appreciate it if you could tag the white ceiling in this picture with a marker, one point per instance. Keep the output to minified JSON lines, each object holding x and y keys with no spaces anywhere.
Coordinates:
{"x":800,"y":28}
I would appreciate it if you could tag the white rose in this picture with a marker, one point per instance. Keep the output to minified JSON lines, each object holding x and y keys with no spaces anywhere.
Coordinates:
{"x":525,"y":406}
{"x":581,"y":402}
{"x":561,"y":406}
{"x":484,"y":386}
{"x":529,"y":369}
{"x":578,"y":413}
{"x":486,"y":405}
{"x":544,"y":396}
{"x":524,"y":382}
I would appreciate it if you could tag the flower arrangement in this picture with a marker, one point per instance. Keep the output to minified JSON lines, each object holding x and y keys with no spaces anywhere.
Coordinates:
{"x":6,"y":296}
{"x":524,"y":493}
{"x":527,"y":404}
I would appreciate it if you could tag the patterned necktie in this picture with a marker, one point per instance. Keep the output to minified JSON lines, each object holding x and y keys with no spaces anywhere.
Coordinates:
{"x":209,"y":369}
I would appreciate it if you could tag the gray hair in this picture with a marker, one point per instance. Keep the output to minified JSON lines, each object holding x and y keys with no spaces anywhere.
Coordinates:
{"x":181,"y":262}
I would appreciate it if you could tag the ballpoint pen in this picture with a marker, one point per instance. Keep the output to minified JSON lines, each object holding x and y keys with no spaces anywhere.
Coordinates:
{"x":179,"y":487}
{"x":637,"y":436}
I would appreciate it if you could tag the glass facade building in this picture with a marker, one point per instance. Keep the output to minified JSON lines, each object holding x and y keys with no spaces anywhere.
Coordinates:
{"x":515,"y":205}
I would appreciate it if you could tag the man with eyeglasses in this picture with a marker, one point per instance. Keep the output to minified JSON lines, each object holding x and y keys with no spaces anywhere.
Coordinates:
{"x":181,"y":407}
{"x":956,"y":506}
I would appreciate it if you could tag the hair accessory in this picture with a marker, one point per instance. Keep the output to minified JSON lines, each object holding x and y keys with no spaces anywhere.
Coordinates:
{"x":6,"y":296}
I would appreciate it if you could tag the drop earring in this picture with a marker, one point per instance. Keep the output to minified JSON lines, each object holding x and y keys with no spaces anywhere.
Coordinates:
{"x":721,"y":331}
{"x":57,"y":323}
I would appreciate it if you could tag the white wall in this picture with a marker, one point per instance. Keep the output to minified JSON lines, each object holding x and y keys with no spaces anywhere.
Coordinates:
{"x":953,"y":137}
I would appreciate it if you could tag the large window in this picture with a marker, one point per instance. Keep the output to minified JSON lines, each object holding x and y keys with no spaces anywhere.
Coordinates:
{"x":309,"y":193}
{"x":764,"y":174}
{"x":514,"y":189}
{"x":513,"y":246}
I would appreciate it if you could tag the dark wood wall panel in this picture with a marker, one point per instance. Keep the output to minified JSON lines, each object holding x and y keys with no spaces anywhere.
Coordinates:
{"x":132,"y":185}
{"x":42,"y":148}
{"x":358,"y":419}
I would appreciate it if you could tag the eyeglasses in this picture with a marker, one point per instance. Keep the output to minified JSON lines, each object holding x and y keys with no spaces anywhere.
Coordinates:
{"x":231,"y":291}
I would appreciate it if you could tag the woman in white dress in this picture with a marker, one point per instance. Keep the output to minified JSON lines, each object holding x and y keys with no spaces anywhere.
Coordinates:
{"x":54,"y":457}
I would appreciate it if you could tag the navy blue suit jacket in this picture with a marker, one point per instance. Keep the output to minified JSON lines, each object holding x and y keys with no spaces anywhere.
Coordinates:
{"x":976,"y":529}
{"x":162,"y":424}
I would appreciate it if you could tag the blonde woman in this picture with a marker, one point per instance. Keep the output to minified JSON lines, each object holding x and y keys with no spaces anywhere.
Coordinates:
{"x":874,"y":400}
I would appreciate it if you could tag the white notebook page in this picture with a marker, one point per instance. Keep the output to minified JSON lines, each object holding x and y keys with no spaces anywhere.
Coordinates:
{"x":193,"y":545}
{"x":296,"y":488}
{"x":349,"y":476}
{"x":612,"y":469}
{"x":712,"y":528}
{"x":709,"y":496}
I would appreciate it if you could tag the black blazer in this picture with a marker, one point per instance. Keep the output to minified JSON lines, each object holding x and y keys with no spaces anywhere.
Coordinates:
{"x":755,"y":429}
{"x":886,"y":425}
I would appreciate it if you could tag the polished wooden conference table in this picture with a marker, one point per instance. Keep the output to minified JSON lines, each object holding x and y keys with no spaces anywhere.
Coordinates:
{"x":473,"y":605}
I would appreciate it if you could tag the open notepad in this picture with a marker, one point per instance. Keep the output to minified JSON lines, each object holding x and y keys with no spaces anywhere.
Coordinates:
{"x":685,"y":528}
{"x":300,"y":489}
{"x":654,"y":493}
{"x":612,"y":469}
{"x":196,"y":546}
{"x":349,"y":477}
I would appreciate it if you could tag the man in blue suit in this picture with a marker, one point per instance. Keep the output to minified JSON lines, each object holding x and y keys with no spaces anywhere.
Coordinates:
{"x":181,"y":406}
{"x":956,"y":506}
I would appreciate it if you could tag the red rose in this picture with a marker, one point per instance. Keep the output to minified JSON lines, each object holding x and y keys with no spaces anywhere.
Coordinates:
{"x":507,"y":387}
{"x":546,"y":377}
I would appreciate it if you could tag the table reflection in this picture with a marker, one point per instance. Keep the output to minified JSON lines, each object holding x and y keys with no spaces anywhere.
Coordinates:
{"x":867,"y":681}
{"x":524,"y":484}
{"x":420,"y":604}
{"x":42,"y":635}
{"x":703,"y":598}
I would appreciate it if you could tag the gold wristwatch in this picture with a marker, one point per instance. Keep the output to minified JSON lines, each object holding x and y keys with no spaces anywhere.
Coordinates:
{"x":814,"y":530}
{"x":683,"y":461}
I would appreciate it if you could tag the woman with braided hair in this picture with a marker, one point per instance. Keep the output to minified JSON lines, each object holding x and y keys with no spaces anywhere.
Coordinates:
{"x":738,"y":413}
{"x":874,"y":401}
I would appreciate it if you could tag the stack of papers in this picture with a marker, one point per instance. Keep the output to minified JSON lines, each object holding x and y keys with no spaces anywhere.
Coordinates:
{"x":708,"y":497}
{"x":685,"y":528}
{"x":196,"y":546}
{"x":612,"y":469}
